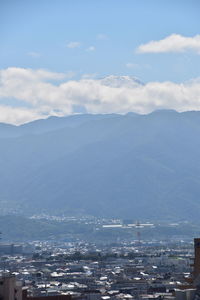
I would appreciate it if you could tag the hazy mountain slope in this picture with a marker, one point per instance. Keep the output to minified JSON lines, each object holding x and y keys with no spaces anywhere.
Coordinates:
{"x":7,"y":130}
{"x":55,"y":123}
{"x":50,"y":124}
{"x":127,"y":166}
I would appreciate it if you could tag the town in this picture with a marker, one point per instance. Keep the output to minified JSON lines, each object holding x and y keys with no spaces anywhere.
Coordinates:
{"x":81,"y":269}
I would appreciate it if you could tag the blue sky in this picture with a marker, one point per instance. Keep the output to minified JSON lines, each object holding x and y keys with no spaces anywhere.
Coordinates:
{"x":98,"y":38}
{"x":45,"y":28}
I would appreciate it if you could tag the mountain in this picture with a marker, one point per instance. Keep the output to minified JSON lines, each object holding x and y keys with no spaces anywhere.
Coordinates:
{"x":121,"y":81}
{"x":8,"y":130}
{"x":129,"y":166}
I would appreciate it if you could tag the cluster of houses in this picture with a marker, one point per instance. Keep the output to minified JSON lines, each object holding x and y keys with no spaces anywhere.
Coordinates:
{"x":93,"y":272}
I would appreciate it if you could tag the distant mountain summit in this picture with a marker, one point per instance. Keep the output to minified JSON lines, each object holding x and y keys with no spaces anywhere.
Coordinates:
{"x":121,"y":81}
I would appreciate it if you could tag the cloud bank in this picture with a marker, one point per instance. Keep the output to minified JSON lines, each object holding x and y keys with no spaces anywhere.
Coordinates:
{"x":40,"y":93}
{"x":172,"y":43}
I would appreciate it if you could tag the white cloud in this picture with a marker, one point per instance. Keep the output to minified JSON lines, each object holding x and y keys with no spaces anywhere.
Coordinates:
{"x":35,"y":87}
{"x":69,"y":74}
{"x":90,"y":49}
{"x":19,"y":74}
{"x":45,"y":97}
{"x":18,"y":115}
{"x":73,"y":45}
{"x":172,"y":43}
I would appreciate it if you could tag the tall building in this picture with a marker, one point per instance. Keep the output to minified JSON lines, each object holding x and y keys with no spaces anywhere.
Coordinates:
{"x":10,"y":289}
{"x":196,"y":271}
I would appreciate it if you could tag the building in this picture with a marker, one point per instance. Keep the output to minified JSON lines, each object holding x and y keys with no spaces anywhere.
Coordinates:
{"x":10,"y":289}
{"x":196,"y":271}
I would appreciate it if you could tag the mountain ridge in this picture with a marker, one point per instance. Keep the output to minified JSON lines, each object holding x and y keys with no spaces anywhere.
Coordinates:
{"x":132,"y":165}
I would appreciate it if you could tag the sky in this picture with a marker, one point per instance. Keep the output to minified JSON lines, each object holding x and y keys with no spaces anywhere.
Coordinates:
{"x":60,"y":57}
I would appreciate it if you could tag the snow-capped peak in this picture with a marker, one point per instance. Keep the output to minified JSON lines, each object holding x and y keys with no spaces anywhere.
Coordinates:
{"x":121,"y":81}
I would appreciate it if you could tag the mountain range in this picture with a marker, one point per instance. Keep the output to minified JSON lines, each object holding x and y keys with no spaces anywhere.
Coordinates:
{"x":128,"y":166}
